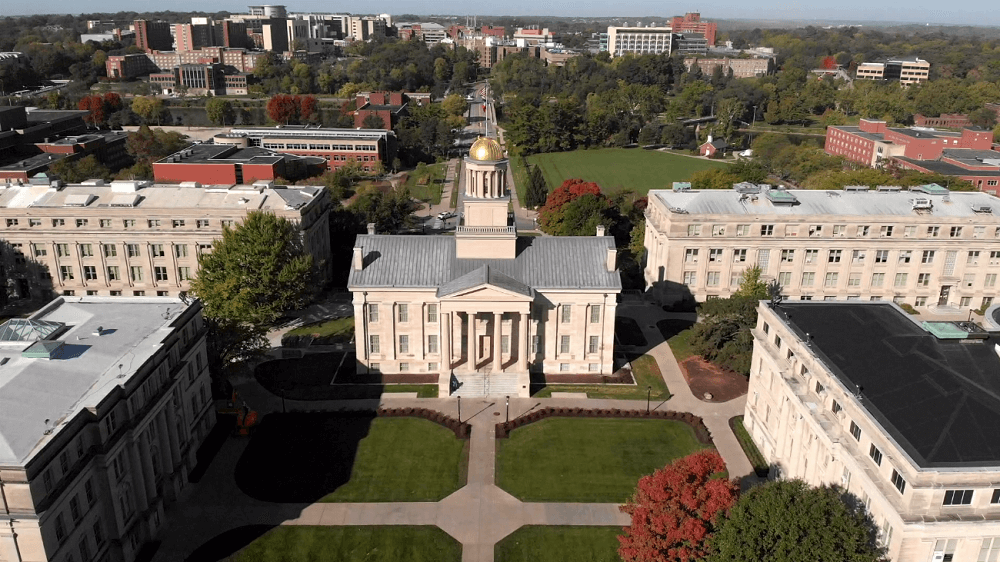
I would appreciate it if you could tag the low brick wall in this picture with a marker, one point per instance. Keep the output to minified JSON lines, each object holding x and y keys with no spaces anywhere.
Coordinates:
{"x":701,"y":432}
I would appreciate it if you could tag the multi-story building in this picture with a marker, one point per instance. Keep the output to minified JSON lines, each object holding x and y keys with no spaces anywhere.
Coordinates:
{"x":966,"y":154}
{"x":153,"y":35}
{"x":899,"y":413}
{"x":925,"y":247}
{"x":365,"y":27}
{"x":368,"y":147}
{"x":103,"y":405}
{"x":533,"y":36}
{"x":741,"y":68}
{"x":230,"y":164}
{"x":689,"y":44}
{"x":485,"y":306}
{"x":131,"y":238}
{"x":428,"y":32}
{"x":905,"y":70}
{"x":691,"y":22}
{"x":639,"y":40}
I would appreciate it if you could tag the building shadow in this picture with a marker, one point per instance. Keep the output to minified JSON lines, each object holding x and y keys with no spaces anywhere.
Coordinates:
{"x":228,"y":543}
{"x":301,"y":457}
{"x":27,"y":283}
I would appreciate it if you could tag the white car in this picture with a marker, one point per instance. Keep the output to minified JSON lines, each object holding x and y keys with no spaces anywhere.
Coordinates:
{"x":445,"y":215}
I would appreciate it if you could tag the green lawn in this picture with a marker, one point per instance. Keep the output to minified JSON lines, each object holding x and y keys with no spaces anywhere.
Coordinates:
{"x":753,"y":454}
{"x":646,"y":373}
{"x":427,"y":184}
{"x":351,"y":457}
{"x":405,"y":459}
{"x":537,"y":543}
{"x":677,"y":332}
{"x":613,"y":168}
{"x":352,"y":544}
{"x":338,"y":329}
{"x":587,"y":460}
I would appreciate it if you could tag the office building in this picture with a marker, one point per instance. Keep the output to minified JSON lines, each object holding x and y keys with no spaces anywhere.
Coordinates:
{"x":639,"y":40}
{"x":103,"y":405}
{"x":897,"y":411}
{"x":926,"y":247}
{"x":367,"y":147}
{"x":691,"y":22}
{"x":741,"y":68}
{"x":905,"y":70}
{"x":153,"y":35}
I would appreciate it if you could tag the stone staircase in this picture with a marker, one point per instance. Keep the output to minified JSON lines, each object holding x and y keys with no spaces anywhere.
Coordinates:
{"x":487,"y":384}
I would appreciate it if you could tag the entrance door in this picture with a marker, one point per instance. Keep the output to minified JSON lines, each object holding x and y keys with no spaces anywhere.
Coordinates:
{"x":943,"y":298}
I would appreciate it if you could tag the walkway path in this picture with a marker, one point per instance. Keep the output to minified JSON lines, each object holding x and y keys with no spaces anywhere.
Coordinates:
{"x":479,"y":514}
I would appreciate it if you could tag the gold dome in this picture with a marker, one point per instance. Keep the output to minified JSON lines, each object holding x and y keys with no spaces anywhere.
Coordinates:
{"x":486,"y":149}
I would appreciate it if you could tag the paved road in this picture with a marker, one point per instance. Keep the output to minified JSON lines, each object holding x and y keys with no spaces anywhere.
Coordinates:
{"x":479,"y":514}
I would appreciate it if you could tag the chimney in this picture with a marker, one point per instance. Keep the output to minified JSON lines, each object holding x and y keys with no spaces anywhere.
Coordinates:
{"x":358,"y":262}
{"x":612,"y":258}
{"x":600,"y":230}
{"x":371,"y":228}
{"x":709,"y":138}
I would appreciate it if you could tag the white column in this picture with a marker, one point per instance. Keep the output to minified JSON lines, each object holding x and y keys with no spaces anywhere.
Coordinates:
{"x":497,"y":350}
{"x":471,"y":346}
{"x":522,"y":346}
{"x":446,"y":341}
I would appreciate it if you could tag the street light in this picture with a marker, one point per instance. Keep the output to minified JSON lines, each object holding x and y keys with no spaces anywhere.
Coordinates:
{"x":460,"y":409}
{"x":508,"y":408}
{"x":649,"y":393}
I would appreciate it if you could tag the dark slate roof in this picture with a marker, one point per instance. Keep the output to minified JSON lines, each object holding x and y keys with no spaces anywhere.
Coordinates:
{"x":938,"y":399}
{"x":542,"y":262}
{"x":485,"y":275}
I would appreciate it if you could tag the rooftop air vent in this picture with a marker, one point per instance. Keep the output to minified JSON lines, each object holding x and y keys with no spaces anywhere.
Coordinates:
{"x":888,"y":189}
{"x":858,"y":188}
{"x":922,"y":204}
{"x":746,"y":187}
{"x":985,"y":209}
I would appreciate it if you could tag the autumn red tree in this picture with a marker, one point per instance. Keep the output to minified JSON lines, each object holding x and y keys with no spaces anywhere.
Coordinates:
{"x":112,"y":102}
{"x":551,"y":214}
{"x":308,"y":107}
{"x":675,"y":510}
{"x":95,"y":105}
{"x":830,"y":63}
{"x":283,"y":108}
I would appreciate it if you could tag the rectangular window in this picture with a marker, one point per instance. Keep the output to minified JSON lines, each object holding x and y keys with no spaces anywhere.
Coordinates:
{"x":900,"y":280}
{"x":404,"y":367}
{"x":838,"y":229}
{"x":969,"y":279}
{"x":88,"y":491}
{"x":835,"y":406}
{"x":153,"y":223}
{"x":564,"y":367}
{"x":402,"y":313}
{"x":66,"y":272}
{"x":831,"y":279}
{"x":694,"y":230}
{"x":563,"y":344}
{"x":955,"y":232}
{"x":373,"y":344}
{"x":690,"y":277}
{"x":743,"y":230}
{"x":160,"y":273}
{"x":58,"y":222}
{"x":535,"y":340}
{"x":933,"y":231}
{"x":87,"y":250}
{"x":904,"y":256}
{"x":808,"y":278}
{"x":593,"y":345}
{"x":60,"y":528}
{"x":785,"y":278}
{"x":505,"y":343}
{"x":854,"y":280}
{"x":875,"y":454}
{"x":74,"y":509}
{"x":787,"y":256}
{"x":432,"y":313}
{"x":811,"y":256}
{"x":39,"y":250}
{"x":11,"y":222}
{"x":404,"y":344}
{"x":136,"y":273}
{"x":923,"y":279}
{"x":157,"y":250}
{"x":816,"y":230}
{"x":763,"y":259}
{"x":432,"y":343}
{"x":979,"y":232}
{"x":927,"y":257}
{"x":740,"y":256}
{"x":567,"y":313}
{"x":858,"y":256}
{"x":34,"y":222}
{"x":595,"y":314}
{"x":712,"y":279}
{"x":81,"y":223}
{"x":177,"y":223}
{"x":372,"y":313}
{"x":691,"y":255}
{"x":110,"y":250}
{"x":957,"y":497}
{"x":856,"y":431}
{"x":834,"y":256}
{"x":715,"y":255}
{"x":767,"y":230}
{"x":885,"y":231}
{"x":909,"y":231}
{"x":990,"y":551}
{"x":62,"y":250}
{"x":183,"y":273}
{"x":133,"y":250}
{"x":972,"y":258}
{"x":202,"y":223}
{"x":881,"y":256}
{"x":98,"y":534}
{"x":718,"y":230}
{"x":113,"y":273}
{"x":863,"y":230}
{"x":128,"y":223}
{"x":180,"y":250}
{"x":898,"y":481}
{"x":90,"y":272}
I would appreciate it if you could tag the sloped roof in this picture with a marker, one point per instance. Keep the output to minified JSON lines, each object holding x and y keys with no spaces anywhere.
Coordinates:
{"x":484,"y":276}
{"x":25,"y":329}
{"x":544,"y":262}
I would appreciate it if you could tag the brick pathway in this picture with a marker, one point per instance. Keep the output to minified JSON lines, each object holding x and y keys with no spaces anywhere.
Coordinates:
{"x":479,"y":514}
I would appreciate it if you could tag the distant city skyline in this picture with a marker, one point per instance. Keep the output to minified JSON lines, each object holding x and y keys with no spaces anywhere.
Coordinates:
{"x":969,"y":12}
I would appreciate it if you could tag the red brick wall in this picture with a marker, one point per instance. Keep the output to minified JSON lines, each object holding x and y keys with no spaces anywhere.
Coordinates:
{"x":852,"y":147}
{"x":872,"y":126}
{"x":203,"y":173}
{"x":254,"y":172}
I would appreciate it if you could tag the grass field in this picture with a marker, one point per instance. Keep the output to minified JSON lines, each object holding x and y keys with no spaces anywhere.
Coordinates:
{"x":427,"y":185}
{"x":677,"y":332}
{"x":351,"y":458}
{"x":536,"y":543}
{"x":753,"y":454}
{"x":587,"y":460}
{"x":336,"y":330}
{"x":615,"y":168}
{"x":352,"y":544}
{"x":646,"y":373}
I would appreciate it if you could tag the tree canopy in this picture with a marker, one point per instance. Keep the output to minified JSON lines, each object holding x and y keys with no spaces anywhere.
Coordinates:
{"x":676,"y":509}
{"x":789,"y":521}
{"x":723,"y":333}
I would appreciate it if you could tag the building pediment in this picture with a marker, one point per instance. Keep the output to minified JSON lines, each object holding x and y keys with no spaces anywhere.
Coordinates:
{"x":485,"y":283}
{"x":488,"y":293}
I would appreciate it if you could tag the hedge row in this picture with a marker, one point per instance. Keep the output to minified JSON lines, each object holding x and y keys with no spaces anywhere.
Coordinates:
{"x":701,"y":432}
{"x":462,"y":429}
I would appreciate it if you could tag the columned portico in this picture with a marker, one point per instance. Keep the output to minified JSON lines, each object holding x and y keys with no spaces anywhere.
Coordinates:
{"x":477,"y":349}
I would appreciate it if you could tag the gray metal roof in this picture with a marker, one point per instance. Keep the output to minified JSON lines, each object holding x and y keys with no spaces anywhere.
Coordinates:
{"x":484,"y":276}
{"x":546,"y":262}
{"x":823,"y":202}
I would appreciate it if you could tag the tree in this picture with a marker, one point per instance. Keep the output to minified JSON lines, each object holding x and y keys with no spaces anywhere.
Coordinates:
{"x":255,"y":272}
{"x":388,"y":211}
{"x":97,"y":108}
{"x":373,"y":121}
{"x":538,"y":190}
{"x":283,"y":108}
{"x":752,"y":287}
{"x":455,"y":104}
{"x":789,"y":521}
{"x":308,"y":107}
{"x":148,"y":145}
{"x":148,"y":108}
{"x":72,"y":170}
{"x":552,"y":214}
{"x":983,"y":117}
{"x":220,"y":111}
{"x":723,"y":333}
{"x":676,"y":509}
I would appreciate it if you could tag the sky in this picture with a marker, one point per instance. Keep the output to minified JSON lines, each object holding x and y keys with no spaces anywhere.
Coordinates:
{"x":969,"y":12}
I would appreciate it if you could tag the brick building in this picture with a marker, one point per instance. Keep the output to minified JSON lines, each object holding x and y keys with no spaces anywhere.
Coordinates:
{"x":231,"y":164}
{"x":953,"y":120}
{"x":337,"y":147}
{"x":691,"y":22}
{"x":153,"y":35}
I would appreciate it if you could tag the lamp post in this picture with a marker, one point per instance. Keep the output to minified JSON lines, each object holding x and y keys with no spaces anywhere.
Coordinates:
{"x":508,"y":408}
{"x":754,"y":117}
{"x":649,"y":393}
{"x":459,"y":408}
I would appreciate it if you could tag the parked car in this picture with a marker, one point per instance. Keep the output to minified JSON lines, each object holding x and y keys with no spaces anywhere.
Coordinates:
{"x":445,"y":215}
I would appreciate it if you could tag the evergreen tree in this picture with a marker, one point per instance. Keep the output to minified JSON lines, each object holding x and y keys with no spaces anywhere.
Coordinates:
{"x":537,"y":190}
